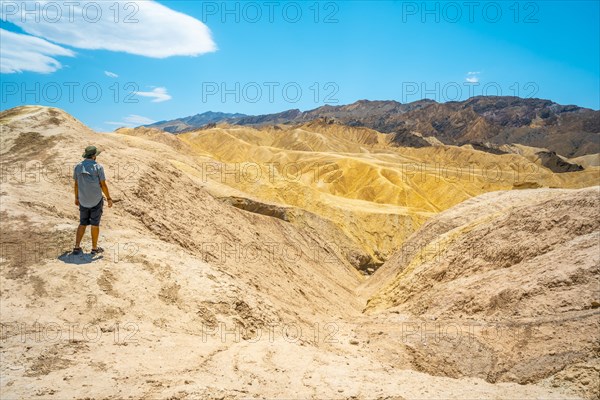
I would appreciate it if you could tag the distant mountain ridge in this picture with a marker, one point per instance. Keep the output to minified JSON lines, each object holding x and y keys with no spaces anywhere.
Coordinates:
{"x":569,"y":130}
{"x":193,"y":121}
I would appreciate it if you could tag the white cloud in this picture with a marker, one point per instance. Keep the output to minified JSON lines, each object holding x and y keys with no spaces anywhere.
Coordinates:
{"x":138,"y":119}
{"x":158,"y":94}
{"x":111,"y":74}
{"x":472,"y":77}
{"x":145,"y":27}
{"x":19,"y":53}
{"x":132,"y":120}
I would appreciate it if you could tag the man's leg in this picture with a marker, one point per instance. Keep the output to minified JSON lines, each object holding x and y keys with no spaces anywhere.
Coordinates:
{"x":84,"y":221}
{"x":95,"y":215}
{"x":79,"y":235}
{"x":95,"y":234}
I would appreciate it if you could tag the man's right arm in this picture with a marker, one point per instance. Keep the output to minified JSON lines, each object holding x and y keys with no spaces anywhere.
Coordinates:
{"x":75,"y":186}
{"x":76,"y":190}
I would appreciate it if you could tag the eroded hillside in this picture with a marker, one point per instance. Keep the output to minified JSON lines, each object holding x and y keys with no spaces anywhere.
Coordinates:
{"x":516,"y":273}
{"x":373,"y":192}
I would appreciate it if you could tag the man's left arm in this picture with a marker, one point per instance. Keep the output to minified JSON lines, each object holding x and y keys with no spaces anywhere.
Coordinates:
{"x":103,"y":185}
{"x":106,"y":193}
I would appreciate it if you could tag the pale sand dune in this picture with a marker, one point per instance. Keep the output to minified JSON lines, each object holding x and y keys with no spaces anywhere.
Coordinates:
{"x":183,"y":268}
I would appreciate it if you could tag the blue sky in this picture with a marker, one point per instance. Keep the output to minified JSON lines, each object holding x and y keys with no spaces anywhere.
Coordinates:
{"x":180,"y":58}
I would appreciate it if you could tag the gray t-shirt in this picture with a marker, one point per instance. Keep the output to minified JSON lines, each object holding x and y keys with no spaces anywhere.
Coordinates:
{"x":88,"y":175}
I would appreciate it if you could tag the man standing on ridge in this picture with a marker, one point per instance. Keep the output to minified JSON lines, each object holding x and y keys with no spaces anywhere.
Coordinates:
{"x":90,"y":182}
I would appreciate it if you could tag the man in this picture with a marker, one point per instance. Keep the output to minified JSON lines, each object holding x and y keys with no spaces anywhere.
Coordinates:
{"x":90,"y":182}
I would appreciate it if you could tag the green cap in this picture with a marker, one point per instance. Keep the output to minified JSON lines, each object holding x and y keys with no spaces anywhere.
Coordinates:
{"x":91,"y":151}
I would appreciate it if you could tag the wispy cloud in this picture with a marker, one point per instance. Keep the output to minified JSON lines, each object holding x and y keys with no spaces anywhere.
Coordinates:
{"x":158,"y":94}
{"x":20,"y":53}
{"x":111,"y":74}
{"x":132,"y":120}
{"x":145,"y":28}
{"x":138,"y":119}
{"x":472,"y":77}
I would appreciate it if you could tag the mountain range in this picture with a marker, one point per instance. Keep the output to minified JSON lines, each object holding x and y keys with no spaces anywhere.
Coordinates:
{"x":193,"y":121}
{"x":488,"y":121}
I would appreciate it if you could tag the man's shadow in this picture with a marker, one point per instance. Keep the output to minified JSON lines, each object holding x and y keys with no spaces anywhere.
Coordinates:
{"x":82,"y":258}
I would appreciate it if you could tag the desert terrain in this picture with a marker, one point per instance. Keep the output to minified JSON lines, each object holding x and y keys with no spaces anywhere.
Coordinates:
{"x":305,"y":260}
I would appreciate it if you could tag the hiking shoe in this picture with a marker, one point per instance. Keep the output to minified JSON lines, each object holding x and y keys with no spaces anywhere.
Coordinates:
{"x":76,"y":251}
{"x":97,"y":251}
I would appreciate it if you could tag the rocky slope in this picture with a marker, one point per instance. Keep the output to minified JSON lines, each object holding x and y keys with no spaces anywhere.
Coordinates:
{"x":515,"y":275}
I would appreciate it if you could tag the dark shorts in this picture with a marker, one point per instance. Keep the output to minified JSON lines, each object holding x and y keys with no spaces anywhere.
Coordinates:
{"x":91,"y":216}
